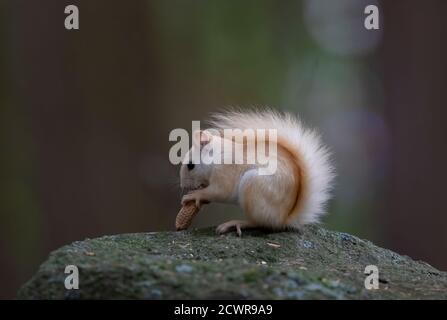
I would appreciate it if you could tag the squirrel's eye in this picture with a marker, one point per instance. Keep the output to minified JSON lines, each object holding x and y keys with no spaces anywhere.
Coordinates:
{"x":190,"y":166}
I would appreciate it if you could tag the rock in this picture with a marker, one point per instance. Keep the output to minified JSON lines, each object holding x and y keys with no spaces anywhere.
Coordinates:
{"x":313,"y":263}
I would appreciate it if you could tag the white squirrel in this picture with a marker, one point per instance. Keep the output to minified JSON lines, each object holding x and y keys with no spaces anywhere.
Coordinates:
{"x":294,"y":195}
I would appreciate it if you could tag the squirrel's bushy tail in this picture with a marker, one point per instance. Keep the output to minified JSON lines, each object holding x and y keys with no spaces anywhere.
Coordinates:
{"x":304,"y":144}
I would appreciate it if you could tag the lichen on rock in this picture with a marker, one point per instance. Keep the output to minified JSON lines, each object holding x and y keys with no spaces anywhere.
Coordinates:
{"x":312,"y":263}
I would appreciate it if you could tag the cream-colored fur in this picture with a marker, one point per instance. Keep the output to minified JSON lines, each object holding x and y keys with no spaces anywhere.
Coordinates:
{"x":295,"y":195}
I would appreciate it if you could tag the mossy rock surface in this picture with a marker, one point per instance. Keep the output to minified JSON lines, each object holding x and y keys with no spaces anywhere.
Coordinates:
{"x":313,"y":263}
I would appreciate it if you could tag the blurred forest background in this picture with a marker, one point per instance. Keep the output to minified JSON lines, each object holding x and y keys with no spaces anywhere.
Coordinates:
{"x":85,"y":115}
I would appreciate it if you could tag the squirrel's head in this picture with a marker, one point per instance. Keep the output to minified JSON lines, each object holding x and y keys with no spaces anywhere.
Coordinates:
{"x":195,"y":174}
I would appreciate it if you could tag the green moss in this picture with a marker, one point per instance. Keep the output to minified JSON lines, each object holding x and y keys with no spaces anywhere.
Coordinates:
{"x":311,"y":264}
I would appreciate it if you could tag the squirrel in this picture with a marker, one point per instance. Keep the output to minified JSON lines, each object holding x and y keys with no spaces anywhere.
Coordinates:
{"x":294,"y":195}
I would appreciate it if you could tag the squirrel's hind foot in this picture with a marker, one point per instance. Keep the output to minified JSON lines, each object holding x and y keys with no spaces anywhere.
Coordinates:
{"x":234,"y":224}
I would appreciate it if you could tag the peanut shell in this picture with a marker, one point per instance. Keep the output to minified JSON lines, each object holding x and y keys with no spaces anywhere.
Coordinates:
{"x":185,"y":216}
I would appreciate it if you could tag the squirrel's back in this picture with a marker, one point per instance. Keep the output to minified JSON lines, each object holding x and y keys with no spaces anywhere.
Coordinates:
{"x":313,"y":159}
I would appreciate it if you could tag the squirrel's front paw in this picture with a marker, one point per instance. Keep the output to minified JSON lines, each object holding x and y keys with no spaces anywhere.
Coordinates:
{"x":195,"y":196}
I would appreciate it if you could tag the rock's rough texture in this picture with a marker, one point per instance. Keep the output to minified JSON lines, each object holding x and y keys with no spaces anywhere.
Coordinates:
{"x":311,"y":264}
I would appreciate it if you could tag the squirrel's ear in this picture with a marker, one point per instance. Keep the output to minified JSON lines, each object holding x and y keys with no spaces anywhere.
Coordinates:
{"x":201,"y":138}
